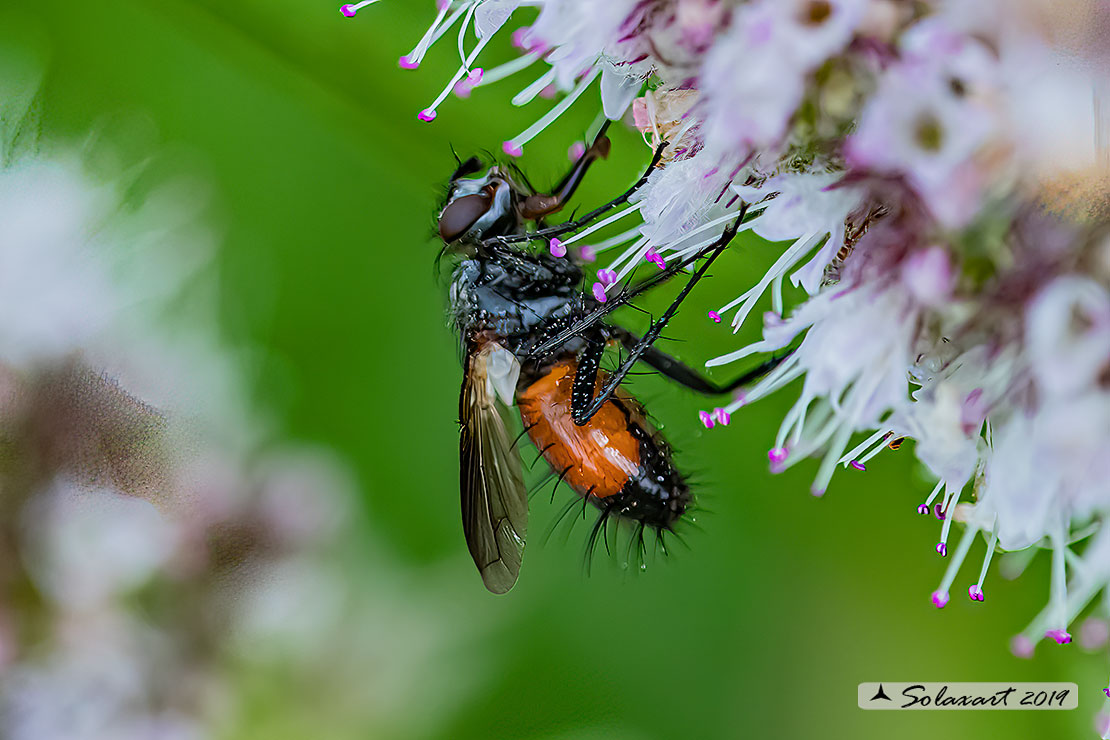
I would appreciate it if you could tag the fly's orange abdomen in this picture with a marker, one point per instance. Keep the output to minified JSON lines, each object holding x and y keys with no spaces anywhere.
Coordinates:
{"x":600,"y":457}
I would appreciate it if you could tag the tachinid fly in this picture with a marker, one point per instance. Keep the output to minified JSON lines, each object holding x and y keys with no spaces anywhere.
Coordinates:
{"x":533,"y":339}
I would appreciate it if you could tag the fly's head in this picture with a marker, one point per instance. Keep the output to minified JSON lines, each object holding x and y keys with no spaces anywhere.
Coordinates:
{"x":479,"y":205}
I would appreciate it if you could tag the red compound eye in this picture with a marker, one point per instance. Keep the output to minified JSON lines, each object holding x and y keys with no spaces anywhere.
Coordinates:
{"x":461,"y":214}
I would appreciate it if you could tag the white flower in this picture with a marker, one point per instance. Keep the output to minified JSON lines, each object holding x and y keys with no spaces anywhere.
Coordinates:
{"x":750,"y":88}
{"x":580,"y":32}
{"x":754,"y":78}
{"x":91,"y":546}
{"x":682,"y":196}
{"x":929,"y":276}
{"x":806,"y":203}
{"x":114,"y":648}
{"x":917,"y":126}
{"x":1068,"y":334}
{"x":815,"y":30}
{"x":55,"y":292}
{"x":77,"y":272}
{"x":856,"y":347}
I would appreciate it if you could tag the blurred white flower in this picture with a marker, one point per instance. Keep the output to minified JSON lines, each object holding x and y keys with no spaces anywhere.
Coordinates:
{"x":88,"y":547}
{"x":147,"y":503}
{"x":97,"y":686}
{"x":923,"y":125}
{"x":1068,"y":335}
{"x":49,"y":276}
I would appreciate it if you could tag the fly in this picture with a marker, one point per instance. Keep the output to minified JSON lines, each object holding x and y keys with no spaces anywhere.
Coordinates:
{"x":534,"y":340}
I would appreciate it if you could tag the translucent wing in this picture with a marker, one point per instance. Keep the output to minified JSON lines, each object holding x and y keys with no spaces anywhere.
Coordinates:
{"x":494,"y":500}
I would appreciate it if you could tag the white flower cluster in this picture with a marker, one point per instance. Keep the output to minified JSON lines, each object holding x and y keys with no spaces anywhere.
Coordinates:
{"x":939,"y":171}
{"x":135,"y":541}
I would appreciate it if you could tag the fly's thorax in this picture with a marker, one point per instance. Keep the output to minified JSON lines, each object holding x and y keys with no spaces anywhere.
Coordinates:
{"x":513,"y":298}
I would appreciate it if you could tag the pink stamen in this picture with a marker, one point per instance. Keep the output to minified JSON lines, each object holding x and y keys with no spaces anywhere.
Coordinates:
{"x":715,"y":317}
{"x":942,"y":549}
{"x":577,"y":149}
{"x":427,"y":115}
{"x":607,"y":276}
{"x":940,"y":599}
{"x":557,"y":248}
{"x":463,"y":88}
{"x":817,"y":491}
{"x":599,"y":293}
{"x":722,"y":416}
{"x":475,"y":76}
{"x":777,"y":456}
{"x":587,"y":253}
{"x":938,"y":512}
{"x":922,"y":509}
{"x":1062,"y":637}
{"x":706,"y":419}
{"x":512,"y":149}
{"x":348,"y":10}
{"x":858,"y":465}
{"x":405,"y":63}
{"x":975,"y":592}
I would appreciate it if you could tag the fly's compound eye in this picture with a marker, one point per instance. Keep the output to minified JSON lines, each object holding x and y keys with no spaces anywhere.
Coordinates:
{"x":462,"y":213}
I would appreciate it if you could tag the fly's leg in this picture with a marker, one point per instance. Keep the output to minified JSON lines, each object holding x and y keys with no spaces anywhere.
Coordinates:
{"x":539,"y":205}
{"x":587,"y":362}
{"x":598,"y":314}
{"x":578,"y":223}
{"x":546,"y":331}
{"x":684,"y":375}
{"x":585,"y":376}
{"x":584,"y":411}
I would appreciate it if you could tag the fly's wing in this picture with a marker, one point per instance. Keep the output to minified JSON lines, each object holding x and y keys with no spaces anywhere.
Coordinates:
{"x":494,"y":500}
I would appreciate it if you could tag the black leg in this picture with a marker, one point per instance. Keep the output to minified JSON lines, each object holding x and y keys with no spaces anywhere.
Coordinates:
{"x":595,"y":316}
{"x":585,"y":374}
{"x":538,"y":205}
{"x":582,"y":415}
{"x":687,"y":376}
{"x":598,"y":149}
{"x":563,"y":228}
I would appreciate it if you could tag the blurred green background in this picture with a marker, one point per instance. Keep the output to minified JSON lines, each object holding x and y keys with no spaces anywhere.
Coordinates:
{"x":325,"y":186}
